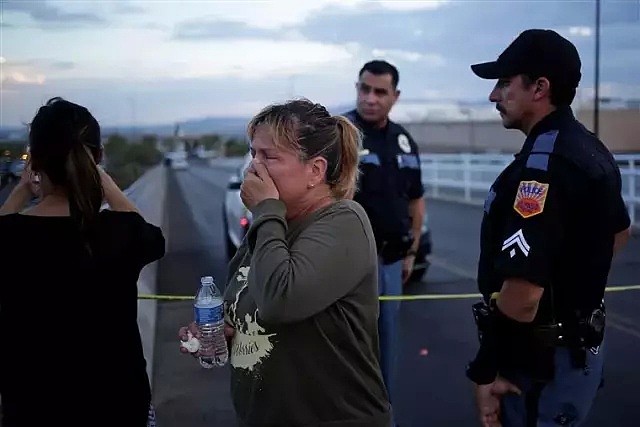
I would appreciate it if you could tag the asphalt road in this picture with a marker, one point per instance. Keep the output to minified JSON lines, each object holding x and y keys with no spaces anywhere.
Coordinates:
{"x":437,"y":337}
{"x":184,"y":393}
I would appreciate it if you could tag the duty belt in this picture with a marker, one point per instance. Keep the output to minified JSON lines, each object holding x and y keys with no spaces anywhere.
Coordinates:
{"x":586,"y":332}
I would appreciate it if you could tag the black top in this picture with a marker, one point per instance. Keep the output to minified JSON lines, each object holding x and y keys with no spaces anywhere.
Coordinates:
{"x":70,"y":348}
{"x":390,"y":178}
{"x":551,"y":217}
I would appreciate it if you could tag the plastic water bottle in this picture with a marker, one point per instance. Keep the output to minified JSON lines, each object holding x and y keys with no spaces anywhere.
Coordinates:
{"x":209,"y":316}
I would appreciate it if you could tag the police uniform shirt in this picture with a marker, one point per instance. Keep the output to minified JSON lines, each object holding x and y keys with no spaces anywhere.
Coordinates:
{"x":390,"y":177}
{"x":551,"y":217}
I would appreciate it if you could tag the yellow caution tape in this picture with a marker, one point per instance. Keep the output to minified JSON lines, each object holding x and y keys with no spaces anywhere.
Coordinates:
{"x":390,"y":297}
{"x":426,"y":297}
{"x":622,"y":288}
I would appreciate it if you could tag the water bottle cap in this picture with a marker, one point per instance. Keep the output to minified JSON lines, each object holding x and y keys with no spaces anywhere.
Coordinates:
{"x":206,"y":280}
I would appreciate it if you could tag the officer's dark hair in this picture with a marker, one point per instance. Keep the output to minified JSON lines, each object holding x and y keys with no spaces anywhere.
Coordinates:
{"x":379,"y":67}
{"x":309,"y":129}
{"x":64,"y":144}
{"x":561,"y":94}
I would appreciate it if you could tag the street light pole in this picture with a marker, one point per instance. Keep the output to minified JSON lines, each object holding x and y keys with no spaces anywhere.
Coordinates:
{"x":596,"y":98}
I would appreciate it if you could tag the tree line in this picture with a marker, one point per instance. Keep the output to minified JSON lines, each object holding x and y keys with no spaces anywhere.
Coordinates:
{"x":127,"y":159}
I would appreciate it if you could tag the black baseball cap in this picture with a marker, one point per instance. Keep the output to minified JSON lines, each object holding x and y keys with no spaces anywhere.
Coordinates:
{"x":541,"y":53}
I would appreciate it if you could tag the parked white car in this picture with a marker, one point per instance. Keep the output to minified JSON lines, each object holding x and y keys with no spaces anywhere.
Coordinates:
{"x":179,"y":163}
{"x":176,"y":160}
{"x":236,"y":217}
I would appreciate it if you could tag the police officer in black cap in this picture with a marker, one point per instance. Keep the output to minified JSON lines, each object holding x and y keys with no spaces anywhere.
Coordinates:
{"x":553,"y":220}
{"x":391,"y":192}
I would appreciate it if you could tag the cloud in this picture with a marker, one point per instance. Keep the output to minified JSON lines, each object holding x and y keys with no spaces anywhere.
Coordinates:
{"x":439,"y":110}
{"x":581,"y":31}
{"x":45,"y":13}
{"x":283,"y":14}
{"x":247,"y":59}
{"x":42,"y":64}
{"x":260,"y":59}
{"x":621,"y":36}
{"x":212,"y":29}
{"x":452,"y":29}
{"x":192,"y":58}
{"x":412,"y":5}
{"x":14,"y":78}
{"x":432,"y":94}
{"x":455,"y":33}
{"x":620,"y":12}
{"x":20,"y":73}
{"x":155,"y":26}
{"x":609,"y":91}
{"x":408,"y":56}
{"x":122,"y":7}
{"x":63,"y":65}
{"x":31,"y":71}
{"x":168,"y":100}
{"x":262,"y":14}
{"x":577,"y":33}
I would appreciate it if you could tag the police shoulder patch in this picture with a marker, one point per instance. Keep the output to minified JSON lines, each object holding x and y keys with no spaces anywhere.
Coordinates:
{"x":530,"y":198}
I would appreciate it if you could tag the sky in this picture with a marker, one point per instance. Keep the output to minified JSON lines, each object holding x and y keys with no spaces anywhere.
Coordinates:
{"x":158,"y":62}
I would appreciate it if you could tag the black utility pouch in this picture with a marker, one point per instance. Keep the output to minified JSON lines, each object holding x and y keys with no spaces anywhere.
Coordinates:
{"x":594,"y":328}
{"x":481,"y":315}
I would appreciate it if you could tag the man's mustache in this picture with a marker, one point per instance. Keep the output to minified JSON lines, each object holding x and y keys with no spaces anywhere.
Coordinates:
{"x":501,"y":109}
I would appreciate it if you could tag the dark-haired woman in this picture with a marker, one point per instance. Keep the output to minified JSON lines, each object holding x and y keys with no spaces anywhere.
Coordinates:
{"x":70,"y":347}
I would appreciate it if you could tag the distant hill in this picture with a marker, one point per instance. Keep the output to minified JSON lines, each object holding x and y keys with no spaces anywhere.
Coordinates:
{"x":232,"y":126}
{"x":225,"y":126}
{"x":13,"y":133}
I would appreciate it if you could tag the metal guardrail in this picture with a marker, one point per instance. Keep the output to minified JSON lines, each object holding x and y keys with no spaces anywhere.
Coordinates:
{"x":148,"y":193}
{"x":467,"y":177}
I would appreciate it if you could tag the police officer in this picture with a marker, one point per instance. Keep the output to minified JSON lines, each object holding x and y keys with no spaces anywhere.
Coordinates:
{"x":553,"y":220}
{"x":391,"y":192}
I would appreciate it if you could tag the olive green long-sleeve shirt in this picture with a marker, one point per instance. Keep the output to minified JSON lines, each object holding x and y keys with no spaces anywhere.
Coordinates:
{"x":303,"y":298}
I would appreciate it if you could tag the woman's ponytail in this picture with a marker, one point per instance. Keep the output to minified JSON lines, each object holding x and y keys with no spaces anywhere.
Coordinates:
{"x":350,"y":140}
{"x":84,"y":189}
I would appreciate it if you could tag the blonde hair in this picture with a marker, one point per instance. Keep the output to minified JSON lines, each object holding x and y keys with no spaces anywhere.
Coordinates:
{"x":311,"y":131}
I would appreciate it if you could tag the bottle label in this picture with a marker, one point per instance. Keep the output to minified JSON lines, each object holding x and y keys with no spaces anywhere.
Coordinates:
{"x":208,"y":314}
